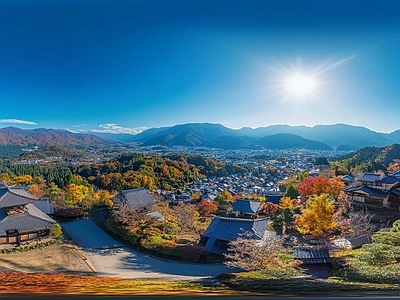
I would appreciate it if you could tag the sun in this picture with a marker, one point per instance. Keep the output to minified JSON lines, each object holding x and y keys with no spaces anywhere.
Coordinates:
{"x":301,"y":84}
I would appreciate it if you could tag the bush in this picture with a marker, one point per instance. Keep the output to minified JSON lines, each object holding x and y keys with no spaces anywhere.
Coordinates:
{"x":56,"y":231}
{"x":119,"y":230}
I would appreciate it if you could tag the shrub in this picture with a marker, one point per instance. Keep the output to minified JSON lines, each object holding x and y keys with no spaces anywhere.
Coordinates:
{"x":56,"y":231}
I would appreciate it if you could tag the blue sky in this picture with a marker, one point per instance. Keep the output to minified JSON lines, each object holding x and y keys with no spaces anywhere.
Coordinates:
{"x":123,"y":66}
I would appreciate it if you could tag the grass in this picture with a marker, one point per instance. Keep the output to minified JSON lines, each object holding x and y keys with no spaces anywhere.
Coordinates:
{"x":264,"y":282}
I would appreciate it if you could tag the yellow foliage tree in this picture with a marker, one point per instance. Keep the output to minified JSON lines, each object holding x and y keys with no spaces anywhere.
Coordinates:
{"x":286,"y":202}
{"x":104,"y":196}
{"x":318,"y":218}
{"x":22,"y":179}
{"x":75,"y":193}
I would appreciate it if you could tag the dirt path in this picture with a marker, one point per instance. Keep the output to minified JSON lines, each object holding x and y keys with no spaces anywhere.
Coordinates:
{"x":52,"y":259}
{"x":111,"y":258}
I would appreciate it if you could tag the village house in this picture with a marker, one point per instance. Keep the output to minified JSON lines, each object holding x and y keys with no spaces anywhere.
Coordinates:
{"x":376,"y":191}
{"x":136,"y":198}
{"x":20,"y":219}
{"x":223,"y":230}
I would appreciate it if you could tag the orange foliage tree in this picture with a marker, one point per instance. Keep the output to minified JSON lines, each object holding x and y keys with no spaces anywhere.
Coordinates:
{"x":270,"y":208}
{"x":206,"y":207}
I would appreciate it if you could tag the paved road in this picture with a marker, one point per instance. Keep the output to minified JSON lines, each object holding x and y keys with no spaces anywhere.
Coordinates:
{"x":111,"y":258}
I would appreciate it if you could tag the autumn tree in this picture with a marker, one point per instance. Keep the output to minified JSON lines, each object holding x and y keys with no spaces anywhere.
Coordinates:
{"x":75,"y":193}
{"x":206,"y":207}
{"x":270,"y":208}
{"x":224,"y":200}
{"x":320,"y":185}
{"x":250,"y":254}
{"x":186,"y":215}
{"x":104,"y":197}
{"x":318,"y":217}
{"x":138,"y":222}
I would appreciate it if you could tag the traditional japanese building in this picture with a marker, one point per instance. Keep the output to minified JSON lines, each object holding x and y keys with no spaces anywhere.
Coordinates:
{"x":20,"y":219}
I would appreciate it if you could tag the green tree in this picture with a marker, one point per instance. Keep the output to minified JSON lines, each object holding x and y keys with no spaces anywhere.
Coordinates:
{"x":291,"y":192}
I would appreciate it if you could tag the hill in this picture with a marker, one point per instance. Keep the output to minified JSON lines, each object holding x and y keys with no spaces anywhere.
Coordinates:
{"x":13,"y":136}
{"x":371,"y":159}
{"x":218,"y":136}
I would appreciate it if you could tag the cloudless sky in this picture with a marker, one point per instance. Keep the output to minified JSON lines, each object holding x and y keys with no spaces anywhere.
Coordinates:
{"x":123,"y":66}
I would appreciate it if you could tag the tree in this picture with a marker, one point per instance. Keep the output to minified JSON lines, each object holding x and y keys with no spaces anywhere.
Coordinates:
{"x":318,"y":218}
{"x":320,"y":185}
{"x":385,"y":249}
{"x":321,"y":161}
{"x":138,"y":222}
{"x":250,"y":254}
{"x":75,"y":193}
{"x":291,"y":192}
{"x":270,"y":208}
{"x":224,"y":200}
{"x":206,"y":207}
{"x":355,"y":223}
{"x":286,"y":213}
{"x":186,"y":215}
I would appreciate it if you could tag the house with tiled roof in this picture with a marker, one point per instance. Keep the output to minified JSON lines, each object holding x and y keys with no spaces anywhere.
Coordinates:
{"x":223,"y":230}
{"x":135,"y":198}
{"x":375,"y":191}
{"x":20,"y":219}
{"x":245,"y":207}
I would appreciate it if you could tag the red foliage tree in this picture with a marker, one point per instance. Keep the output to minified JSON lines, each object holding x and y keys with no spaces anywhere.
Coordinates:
{"x":206,"y":207}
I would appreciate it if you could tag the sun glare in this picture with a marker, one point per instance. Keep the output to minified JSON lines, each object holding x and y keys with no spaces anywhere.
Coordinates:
{"x":301,"y":85}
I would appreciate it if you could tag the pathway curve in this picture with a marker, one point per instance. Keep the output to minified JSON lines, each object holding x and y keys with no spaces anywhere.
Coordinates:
{"x":111,"y":258}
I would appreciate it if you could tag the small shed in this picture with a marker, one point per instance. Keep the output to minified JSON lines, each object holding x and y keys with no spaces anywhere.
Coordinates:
{"x":309,"y":255}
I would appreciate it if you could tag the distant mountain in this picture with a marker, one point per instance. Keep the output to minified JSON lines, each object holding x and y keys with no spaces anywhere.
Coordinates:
{"x":338,"y":136}
{"x":218,"y":136}
{"x":354,"y":137}
{"x":48,"y":137}
{"x":288,"y":141}
{"x":394,"y":136}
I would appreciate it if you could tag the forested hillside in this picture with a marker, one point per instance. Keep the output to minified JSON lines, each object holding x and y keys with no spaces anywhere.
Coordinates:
{"x":370,"y":159}
{"x":85,"y":184}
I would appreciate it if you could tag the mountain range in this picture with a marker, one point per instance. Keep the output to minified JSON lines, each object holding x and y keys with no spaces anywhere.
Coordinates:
{"x":320,"y":137}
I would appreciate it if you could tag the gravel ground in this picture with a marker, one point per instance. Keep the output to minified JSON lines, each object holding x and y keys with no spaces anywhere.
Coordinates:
{"x":110,"y":258}
{"x":52,"y":259}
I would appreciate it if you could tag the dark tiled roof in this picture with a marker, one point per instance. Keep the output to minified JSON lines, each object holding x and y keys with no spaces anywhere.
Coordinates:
{"x":389,"y":180}
{"x":273,"y":197}
{"x":395,"y":174}
{"x":10,"y":197}
{"x":136,"y":198}
{"x":32,"y":219}
{"x":309,"y":255}
{"x":377,"y":193}
{"x":229,"y":229}
{"x":248,"y":206}
{"x":348,"y":178}
{"x":374,"y":192}
{"x":45,"y":206}
{"x":370,"y":177}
